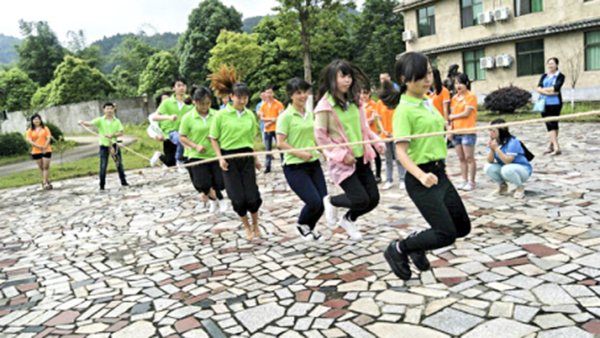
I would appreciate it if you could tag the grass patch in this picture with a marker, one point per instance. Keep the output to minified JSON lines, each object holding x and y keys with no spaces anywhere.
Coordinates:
{"x":13,"y":159}
{"x":91,"y":166}
{"x":62,"y":146}
{"x":526,"y":114}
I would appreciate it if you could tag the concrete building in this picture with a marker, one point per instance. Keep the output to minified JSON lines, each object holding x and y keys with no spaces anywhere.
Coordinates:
{"x":503,"y":42}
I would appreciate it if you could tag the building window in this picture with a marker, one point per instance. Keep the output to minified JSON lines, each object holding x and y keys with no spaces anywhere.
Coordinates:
{"x":523,"y":7}
{"x":530,"y":57}
{"x":592,"y":50}
{"x":426,"y":19}
{"x":469,"y":12}
{"x":471,"y":64}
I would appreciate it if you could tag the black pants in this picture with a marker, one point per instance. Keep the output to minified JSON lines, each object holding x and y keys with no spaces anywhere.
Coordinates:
{"x":441,"y":207}
{"x":550,"y":111}
{"x":240,"y":183}
{"x":169,"y":151}
{"x":308,"y":182}
{"x":104,"y":154}
{"x":206,"y":176}
{"x":377,"y":163}
{"x":360,"y":192}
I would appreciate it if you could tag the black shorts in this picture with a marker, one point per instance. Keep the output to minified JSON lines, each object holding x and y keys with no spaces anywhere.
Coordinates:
{"x":40,"y":156}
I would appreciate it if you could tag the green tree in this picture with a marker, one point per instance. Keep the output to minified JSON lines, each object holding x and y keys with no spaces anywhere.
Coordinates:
{"x":159,"y":73}
{"x":19,"y":89}
{"x":40,"y":52}
{"x":310,"y":15}
{"x":238,"y":49}
{"x":133,"y":56}
{"x":77,"y":45}
{"x":204,"y":26}
{"x":74,"y":81}
{"x":378,"y":40}
{"x":124,"y":83}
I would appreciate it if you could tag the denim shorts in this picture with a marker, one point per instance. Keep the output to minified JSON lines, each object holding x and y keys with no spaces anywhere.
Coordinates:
{"x":464,"y":140}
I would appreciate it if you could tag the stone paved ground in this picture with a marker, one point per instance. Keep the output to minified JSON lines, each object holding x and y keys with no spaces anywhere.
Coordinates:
{"x":149,"y":261}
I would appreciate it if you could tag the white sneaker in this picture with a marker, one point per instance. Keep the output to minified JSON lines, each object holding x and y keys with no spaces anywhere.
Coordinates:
{"x":462,"y":185}
{"x":350,"y":228}
{"x":223,"y":206}
{"x":387,"y":186}
{"x":317,"y":236}
{"x":181,"y":169}
{"x":304,"y":232}
{"x":402,"y":186}
{"x":212,"y":206}
{"x":469,"y":186}
{"x":155,"y":158}
{"x":331,"y":212}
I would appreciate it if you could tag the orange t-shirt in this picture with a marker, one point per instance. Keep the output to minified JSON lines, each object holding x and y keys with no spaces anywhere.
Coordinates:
{"x":271,"y":112}
{"x":458,"y":107}
{"x":39,"y":136}
{"x":370,"y":110}
{"x":439,"y":100}
{"x":386,"y":115}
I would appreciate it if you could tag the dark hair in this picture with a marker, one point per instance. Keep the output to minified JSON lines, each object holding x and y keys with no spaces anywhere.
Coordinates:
{"x":108,"y":104}
{"x":295,"y":85}
{"x":178,"y":79}
{"x":410,"y":66}
{"x":452,"y":71}
{"x":553,"y":59}
{"x":437,"y":80}
{"x":328,"y":82}
{"x":159,"y":97}
{"x":240,"y":89}
{"x":463,"y":79}
{"x":39,"y":117}
{"x":267,"y":88}
{"x":503,"y":134}
{"x":198,"y":94}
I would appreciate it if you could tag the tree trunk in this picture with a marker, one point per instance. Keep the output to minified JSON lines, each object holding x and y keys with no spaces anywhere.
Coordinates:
{"x":305,"y":37}
{"x":572,"y":99}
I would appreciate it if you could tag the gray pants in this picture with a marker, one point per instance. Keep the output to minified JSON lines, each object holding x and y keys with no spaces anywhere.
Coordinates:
{"x":390,"y":158}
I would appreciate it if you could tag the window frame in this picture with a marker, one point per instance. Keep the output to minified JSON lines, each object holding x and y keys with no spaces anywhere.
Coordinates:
{"x":531,"y":53}
{"x":430,"y":21}
{"x":480,"y":74}
{"x":585,"y":50}
{"x":517,"y":14}
{"x":462,"y":10}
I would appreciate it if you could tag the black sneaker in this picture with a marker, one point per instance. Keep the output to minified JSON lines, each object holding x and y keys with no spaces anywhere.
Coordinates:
{"x":398,"y":261}
{"x":304,"y":232}
{"x":420,"y":260}
{"x":268,"y":170}
{"x":125,"y":184}
{"x":101,"y":188}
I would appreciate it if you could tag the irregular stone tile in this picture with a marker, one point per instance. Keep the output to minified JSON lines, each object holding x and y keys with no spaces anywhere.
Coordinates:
{"x":452,"y":321}
{"x":258,"y":317}
{"x":509,"y":329}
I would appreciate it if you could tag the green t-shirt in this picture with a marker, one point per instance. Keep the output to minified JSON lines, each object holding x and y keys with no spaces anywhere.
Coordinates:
{"x":350,"y":119}
{"x":171,"y":107}
{"x":413,"y":117}
{"x":196,"y":128}
{"x":299,"y":131}
{"x":234,"y":130}
{"x":107,"y":128}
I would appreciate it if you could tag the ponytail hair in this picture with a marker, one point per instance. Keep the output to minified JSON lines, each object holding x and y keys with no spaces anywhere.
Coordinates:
{"x":328,"y":82}
{"x":223,"y":80}
{"x":410,"y":67}
{"x":464,"y":79}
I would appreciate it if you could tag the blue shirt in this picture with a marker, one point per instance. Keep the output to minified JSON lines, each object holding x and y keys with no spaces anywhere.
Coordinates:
{"x":262,"y":123}
{"x":549,"y":82}
{"x":513,"y":148}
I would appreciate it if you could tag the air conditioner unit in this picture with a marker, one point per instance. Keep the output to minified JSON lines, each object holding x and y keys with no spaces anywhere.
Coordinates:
{"x":504,"y":60}
{"x":486,"y":18}
{"x":486,"y":62}
{"x":502,"y":14}
{"x":408,"y":36}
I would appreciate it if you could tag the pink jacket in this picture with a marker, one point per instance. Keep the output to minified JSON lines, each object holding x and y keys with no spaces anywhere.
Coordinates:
{"x":338,"y":171}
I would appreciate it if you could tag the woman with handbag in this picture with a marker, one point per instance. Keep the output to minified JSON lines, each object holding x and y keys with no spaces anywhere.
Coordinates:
{"x":551,"y":100}
{"x":508,"y":161}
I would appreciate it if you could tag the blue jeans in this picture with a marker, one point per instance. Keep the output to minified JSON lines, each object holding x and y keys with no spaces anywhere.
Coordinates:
{"x":104,"y":154}
{"x":509,"y":173}
{"x":174,"y":136}
{"x":464,"y":139}
{"x":269,"y":136}
{"x":390,"y":158}
{"x":308,"y":182}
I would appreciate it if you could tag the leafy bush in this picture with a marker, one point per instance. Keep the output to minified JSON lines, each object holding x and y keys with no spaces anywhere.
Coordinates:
{"x":506,"y":100}
{"x":57,"y":134}
{"x":19,"y":89}
{"x":12,"y":144}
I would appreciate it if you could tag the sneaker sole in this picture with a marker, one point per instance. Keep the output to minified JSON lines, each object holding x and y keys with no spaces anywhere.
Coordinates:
{"x":394,"y":268}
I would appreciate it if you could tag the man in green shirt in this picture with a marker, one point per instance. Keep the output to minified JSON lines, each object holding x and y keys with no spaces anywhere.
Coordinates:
{"x":109,"y":128}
